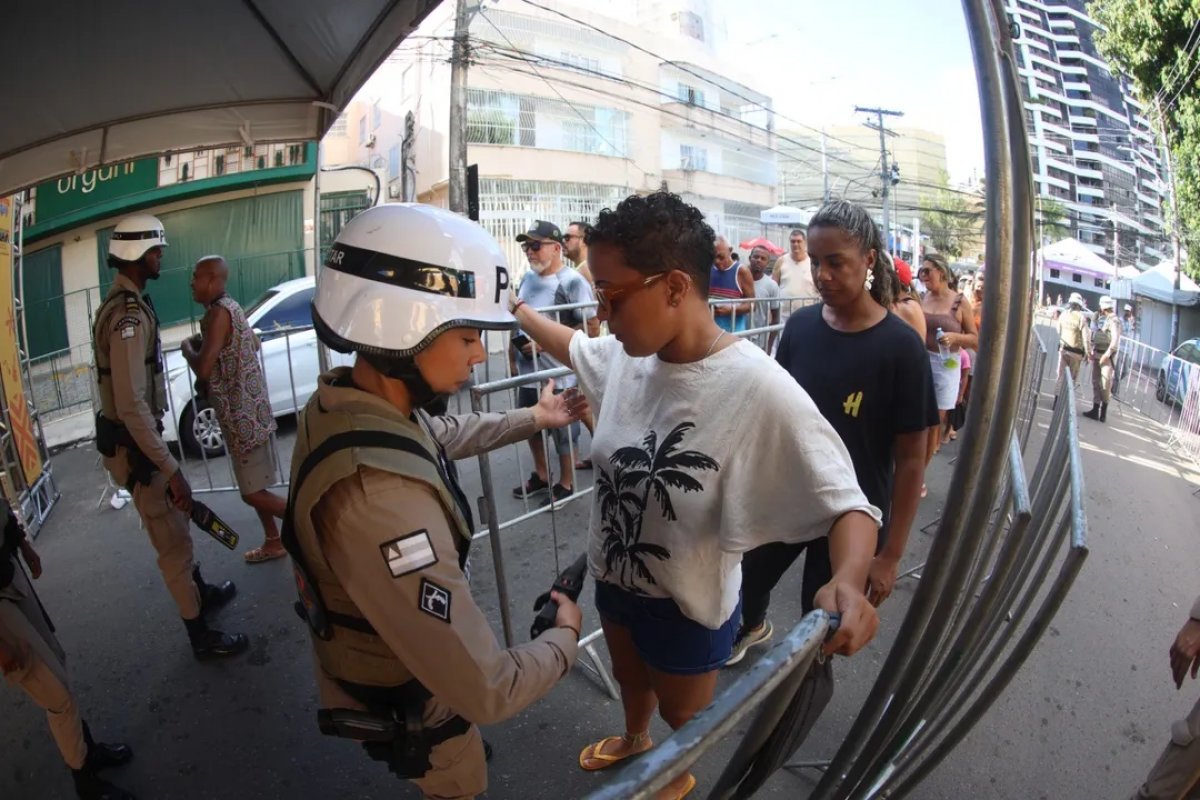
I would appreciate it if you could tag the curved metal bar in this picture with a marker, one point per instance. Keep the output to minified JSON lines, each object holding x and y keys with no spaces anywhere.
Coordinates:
{"x":879,"y":732}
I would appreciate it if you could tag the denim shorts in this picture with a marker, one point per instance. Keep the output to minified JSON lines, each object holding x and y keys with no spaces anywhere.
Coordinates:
{"x":665,"y":638}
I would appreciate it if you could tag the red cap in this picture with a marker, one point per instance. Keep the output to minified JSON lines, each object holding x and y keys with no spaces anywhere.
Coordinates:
{"x":903,"y":270}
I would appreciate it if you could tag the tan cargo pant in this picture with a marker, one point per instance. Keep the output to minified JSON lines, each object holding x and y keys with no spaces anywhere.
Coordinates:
{"x":1176,"y":774}
{"x":1071,"y":362}
{"x":1102,"y":380}
{"x":41,"y":669}
{"x":168,"y":530}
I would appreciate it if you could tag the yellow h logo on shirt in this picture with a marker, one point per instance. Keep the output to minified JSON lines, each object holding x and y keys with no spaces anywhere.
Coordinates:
{"x":852,"y":404}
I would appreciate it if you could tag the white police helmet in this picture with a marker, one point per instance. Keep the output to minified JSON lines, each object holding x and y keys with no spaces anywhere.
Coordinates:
{"x":134,"y":235}
{"x":401,"y":274}
{"x":1107,"y":303}
{"x":1076,"y":299}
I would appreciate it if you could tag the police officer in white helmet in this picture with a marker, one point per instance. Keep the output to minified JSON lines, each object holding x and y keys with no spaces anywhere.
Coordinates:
{"x":377,"y":526}
{"x":133,"y":399}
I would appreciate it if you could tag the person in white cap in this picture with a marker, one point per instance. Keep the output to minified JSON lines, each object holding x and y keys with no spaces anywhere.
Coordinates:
{"x":377,"y":524}
{"x":1105,"y":341}
{"x":1073,"y":341}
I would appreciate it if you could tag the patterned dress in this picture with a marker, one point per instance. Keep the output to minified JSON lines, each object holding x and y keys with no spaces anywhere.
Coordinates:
{"x":238,"y":387}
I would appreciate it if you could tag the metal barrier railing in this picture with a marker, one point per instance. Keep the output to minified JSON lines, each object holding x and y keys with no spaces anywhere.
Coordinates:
{"x":765,"y":690}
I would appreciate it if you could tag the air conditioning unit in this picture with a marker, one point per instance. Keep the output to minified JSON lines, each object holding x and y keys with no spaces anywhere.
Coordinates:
{"x":394,"y":192}
{"x":371,"y":140}
{"x":685,"y":164}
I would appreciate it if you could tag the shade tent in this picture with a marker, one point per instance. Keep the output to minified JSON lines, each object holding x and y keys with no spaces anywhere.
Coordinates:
{"x":1071,"y":254}
{"x":100,"y":83}
{"x":1158,"y":283}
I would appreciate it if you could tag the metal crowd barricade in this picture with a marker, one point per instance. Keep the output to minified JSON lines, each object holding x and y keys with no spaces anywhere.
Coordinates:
{"x":223,"y":480}
{"x":766,"y":690}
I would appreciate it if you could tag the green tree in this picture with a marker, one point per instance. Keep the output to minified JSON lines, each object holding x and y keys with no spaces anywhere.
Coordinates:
{"x":952,"y":219}
{"x":1052,"y":220}
{"x":1151,"y":41}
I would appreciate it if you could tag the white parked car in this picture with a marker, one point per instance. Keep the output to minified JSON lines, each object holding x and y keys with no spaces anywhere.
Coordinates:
{"x":282,"y":318}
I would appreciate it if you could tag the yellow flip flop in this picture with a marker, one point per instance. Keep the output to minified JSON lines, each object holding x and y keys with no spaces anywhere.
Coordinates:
{"x":593,"y":753}
{"x":687,"y":788}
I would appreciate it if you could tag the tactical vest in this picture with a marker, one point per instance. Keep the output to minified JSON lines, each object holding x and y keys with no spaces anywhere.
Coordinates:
{"x":331,"y":446}
{"x":124,"y":302}
{"x":1071,"y":326}
{"x":1102,"y":338}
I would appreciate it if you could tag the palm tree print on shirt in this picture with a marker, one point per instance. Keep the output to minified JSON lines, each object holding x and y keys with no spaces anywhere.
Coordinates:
{"x":638,"y":473}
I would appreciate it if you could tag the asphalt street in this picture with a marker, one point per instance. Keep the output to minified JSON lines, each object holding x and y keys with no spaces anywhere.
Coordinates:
{"x":1085,"y":717}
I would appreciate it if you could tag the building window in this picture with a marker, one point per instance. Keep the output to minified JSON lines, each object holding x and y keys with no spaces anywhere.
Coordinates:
{"x":691,"y":25}
{"x":692,"y":158}
{"x":1099,"y":282}
{"x":394,"y":162}
{"x":579,"y":136}
{"x":690,"y":95}
{"x":376,"y":116}
{"x":580,"y":62}
{"x":1055,"y":273}
{"x":339,"y":126}
{"x":362,"y":129}
{"x":1077,"y":278}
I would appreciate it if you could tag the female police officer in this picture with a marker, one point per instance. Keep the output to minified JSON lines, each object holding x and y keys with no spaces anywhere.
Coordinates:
{"x":377,"y":526}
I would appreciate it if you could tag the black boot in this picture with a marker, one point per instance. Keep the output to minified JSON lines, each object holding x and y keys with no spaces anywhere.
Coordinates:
{"x":1104,"y":412}
{"x":208,"y":644}
{"x":90,"y":786}
{"x":102,"y":756}
{"x":212,"y":598}
{"x":1094,"y":413}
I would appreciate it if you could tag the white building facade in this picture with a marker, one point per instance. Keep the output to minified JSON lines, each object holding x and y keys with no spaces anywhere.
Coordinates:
{"x":1093,"y":149}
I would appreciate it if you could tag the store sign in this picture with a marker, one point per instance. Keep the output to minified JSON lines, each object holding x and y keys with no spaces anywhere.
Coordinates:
{"x":73,"y":192}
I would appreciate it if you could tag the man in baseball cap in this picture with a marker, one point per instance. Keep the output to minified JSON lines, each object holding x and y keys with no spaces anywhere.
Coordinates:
{"x":542,"y":231}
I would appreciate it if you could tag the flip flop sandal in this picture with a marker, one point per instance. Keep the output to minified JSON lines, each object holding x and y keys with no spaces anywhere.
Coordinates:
{"x":584,"y":464}
{"x":261,"y":555}
{"x":687,"y":788}
{"x":593,"y":753}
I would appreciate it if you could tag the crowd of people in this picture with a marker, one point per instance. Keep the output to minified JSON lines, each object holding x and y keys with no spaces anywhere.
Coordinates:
{"x":853,"y":364}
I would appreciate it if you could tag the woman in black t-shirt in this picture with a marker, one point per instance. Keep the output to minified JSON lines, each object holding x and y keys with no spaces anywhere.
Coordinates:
{"x":867,"y":372}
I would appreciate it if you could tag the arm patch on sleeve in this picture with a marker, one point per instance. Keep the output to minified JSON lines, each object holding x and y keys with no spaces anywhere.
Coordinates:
{"x":409,"y":553}
{"x":434,"y":600}
{"x":127,"y":326}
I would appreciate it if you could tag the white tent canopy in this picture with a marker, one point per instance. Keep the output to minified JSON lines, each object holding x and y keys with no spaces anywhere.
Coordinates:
{"x":93,"y":83}
{"x":1158,"y":283}
{"x":1074,"y":255}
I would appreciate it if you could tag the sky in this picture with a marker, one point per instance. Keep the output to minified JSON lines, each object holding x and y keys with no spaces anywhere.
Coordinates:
{"x":819,"y":59}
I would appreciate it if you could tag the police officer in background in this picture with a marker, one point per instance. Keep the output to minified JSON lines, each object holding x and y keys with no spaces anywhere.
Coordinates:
{"x":377,"y":525}
{"x":31,"y":658}
{"x":133,"y":398}
{"x":1106,"y":340}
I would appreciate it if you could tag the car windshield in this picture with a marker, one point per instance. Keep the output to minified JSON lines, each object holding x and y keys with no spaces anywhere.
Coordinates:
{"x":262,"y":299}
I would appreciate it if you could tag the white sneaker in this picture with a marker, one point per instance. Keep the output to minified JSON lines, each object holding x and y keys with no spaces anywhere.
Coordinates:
{"x":749,"y":638}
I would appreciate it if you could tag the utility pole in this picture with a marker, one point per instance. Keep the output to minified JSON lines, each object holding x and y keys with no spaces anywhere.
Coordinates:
{"x":1162,"y":123}
{"x":885,"y":172}
{"x":824,"y":167}
{"x":459,"y":59}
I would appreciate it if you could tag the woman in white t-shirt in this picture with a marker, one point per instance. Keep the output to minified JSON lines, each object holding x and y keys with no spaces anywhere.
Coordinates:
{"x":687,"y":479}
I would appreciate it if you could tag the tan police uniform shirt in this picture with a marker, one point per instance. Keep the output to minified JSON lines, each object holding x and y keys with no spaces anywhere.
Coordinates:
{"x":129,"y":335}
{"x":427,"y":615}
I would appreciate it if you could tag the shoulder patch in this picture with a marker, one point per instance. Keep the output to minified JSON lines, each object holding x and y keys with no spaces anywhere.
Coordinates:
{"x":127,"y":321}
{"x":409,"y":553}
{"x":434,"y":600}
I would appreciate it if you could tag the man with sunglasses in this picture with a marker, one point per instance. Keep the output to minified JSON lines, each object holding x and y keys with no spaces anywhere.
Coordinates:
{"x":549,"y":283}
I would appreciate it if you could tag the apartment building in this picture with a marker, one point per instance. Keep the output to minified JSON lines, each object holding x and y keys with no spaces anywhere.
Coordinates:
{"x":1092,"y":144}
{"x":569,"y":112}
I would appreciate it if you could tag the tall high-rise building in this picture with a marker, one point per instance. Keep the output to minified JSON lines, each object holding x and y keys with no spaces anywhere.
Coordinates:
{"x":1093,"y":149}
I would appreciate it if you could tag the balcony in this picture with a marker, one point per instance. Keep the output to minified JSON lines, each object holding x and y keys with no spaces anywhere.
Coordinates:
{"x":687,"y":116}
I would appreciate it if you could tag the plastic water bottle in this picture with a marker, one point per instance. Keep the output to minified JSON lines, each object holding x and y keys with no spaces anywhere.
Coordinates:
{"x":949,"y":359}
